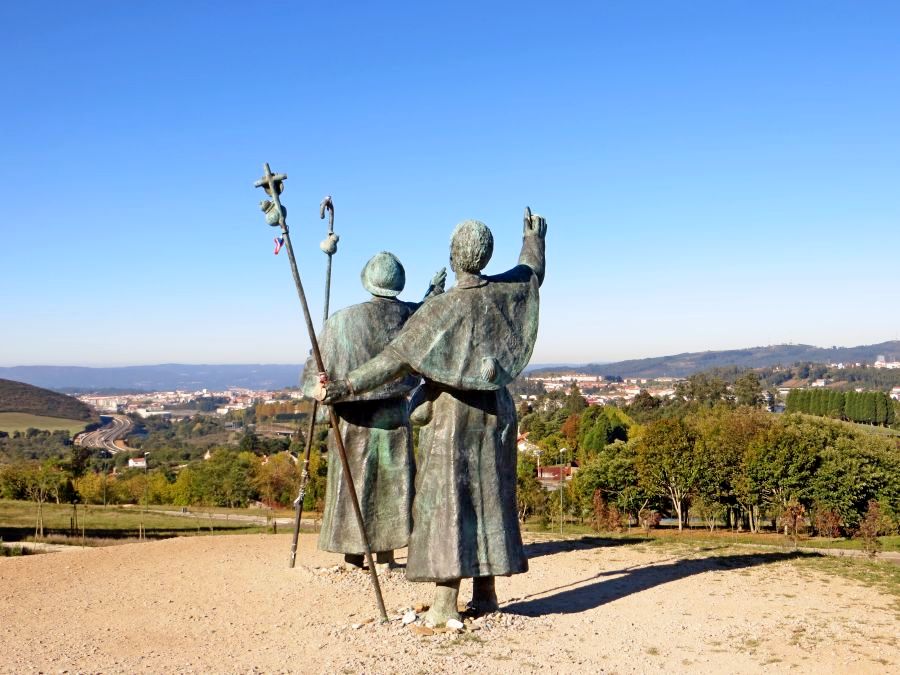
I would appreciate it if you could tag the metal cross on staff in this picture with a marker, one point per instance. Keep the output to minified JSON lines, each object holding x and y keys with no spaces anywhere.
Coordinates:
{"x":273,"y":184}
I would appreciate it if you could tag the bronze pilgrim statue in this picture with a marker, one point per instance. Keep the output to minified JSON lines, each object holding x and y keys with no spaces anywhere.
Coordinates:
{"x":373,"y":424}
{"x":466,"y":345}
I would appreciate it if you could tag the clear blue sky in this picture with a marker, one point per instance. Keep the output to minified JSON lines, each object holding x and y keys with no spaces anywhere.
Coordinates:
{"x":714,"y":174}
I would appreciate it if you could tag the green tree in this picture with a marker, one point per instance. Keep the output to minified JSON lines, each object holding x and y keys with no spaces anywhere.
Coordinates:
{"x":227,"y":478}
{"x":91,"y":488}
{"x":724,"y":435}
{"x":748,"y":390}
{"x":14,"y":481}
{"x":668,"y":465}
{"x":781,"y":463}
{"x":186,"y":490}
{"x":645,"y":401}
{"x":702,"y":389}
{"x":846,"y":480}
{"x":318,"y":477}
{"x":135,"y":486}
{"x":278,"y":479}
{"x":159,"y":489}
{"x":249,"y":442}
{"x":531,"y":498}
{"x":599,"y":426}
{"x":613,"y":471}
{"x":574,"y":402}
{"x":594,"y":436}
{"x":42,"y":481}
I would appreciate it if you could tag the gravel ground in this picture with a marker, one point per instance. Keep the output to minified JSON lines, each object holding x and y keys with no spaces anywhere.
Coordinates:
{"x":229,"y":604}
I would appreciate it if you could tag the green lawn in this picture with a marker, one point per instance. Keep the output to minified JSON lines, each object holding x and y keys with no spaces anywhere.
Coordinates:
{"x":111,"y":523}
{"x":856,"y":426}
{"x":11,"y":421}
{"x":719,"y":537}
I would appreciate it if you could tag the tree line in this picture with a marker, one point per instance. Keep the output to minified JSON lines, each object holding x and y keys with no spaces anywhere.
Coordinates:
{"x":230,"y":478}
{"x":866,"y":407}
{"x":718,"y":462}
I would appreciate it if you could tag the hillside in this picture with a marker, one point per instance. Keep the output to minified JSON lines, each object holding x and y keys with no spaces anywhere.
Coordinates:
{"x":163,"y":377}
{"x":18,"y":397}
{"x":682,"y":365}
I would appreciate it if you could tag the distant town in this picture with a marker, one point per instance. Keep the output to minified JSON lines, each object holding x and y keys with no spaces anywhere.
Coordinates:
{"x":596,"y":389}
{"x":180,"y":404}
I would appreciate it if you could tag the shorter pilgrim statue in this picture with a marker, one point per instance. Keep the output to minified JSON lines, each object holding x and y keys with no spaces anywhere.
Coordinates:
{"x":374,"y":425}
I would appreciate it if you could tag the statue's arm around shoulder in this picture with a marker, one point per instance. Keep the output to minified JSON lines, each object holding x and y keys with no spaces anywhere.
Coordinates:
{"x":385,"y":367}
{"x":532,"y":253}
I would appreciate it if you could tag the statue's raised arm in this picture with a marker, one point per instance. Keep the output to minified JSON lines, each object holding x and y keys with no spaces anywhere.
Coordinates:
{"x":436,"y":286}
{"x":533,"y":236}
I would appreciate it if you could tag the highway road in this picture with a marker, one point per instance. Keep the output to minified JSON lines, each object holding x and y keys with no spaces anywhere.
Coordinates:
{"x":106,"y":436}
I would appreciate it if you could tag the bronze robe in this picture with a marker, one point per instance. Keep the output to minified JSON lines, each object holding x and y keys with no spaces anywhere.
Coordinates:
{"x":465,"y":522}
{"x":376,"y":432}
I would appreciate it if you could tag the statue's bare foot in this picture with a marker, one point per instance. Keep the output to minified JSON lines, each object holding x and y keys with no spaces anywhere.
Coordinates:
{"x":444,"y":606}
{"x":484,"y":596}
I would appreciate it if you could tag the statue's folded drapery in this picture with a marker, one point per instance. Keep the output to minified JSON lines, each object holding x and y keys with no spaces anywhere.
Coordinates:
{"x":375,"y":429}
{"x":379,"y":450}
{"x":465,"y":522}
{"x":464,"y":515}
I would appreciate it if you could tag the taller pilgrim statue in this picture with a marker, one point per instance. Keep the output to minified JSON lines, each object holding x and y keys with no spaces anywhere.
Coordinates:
{"x":467,"y":345}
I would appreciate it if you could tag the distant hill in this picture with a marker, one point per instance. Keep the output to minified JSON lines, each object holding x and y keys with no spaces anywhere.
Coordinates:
{"x":191,"y":377}
{"x":18,"y":397}
{"x":683,"y":365}
{"x":164,"y":377}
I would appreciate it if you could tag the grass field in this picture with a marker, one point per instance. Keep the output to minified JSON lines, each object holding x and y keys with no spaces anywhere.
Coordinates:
{"x":880,"y":431}
{"x":10,"y":422}
{"x":111,"y":524}
{"x":721,"y":537}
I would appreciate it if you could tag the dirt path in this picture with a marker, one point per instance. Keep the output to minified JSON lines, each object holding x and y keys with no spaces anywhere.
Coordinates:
{"x":229,"y":604}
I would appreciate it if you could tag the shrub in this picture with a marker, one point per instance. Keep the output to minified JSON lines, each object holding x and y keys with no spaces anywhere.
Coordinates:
{"x":827,"y":522}
{"x":650,"y":520}
{"x":870,"y":527}
{"x":606,"y":517}
{"x":793,"y":519}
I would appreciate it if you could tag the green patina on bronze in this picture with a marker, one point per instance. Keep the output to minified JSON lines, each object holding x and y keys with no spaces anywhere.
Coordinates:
{"x":374,"y":425}
{"x":466,"y":344}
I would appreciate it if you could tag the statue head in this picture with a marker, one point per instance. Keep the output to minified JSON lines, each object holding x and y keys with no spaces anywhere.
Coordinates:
{"x":383,"y":275}
{"x":471,"y":247}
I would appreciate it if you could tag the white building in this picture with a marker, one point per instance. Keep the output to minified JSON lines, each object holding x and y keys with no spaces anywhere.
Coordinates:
{"x":890,"y":365}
